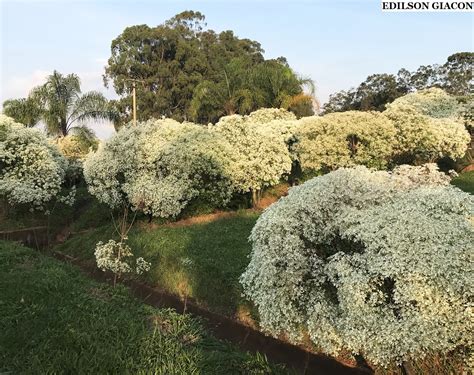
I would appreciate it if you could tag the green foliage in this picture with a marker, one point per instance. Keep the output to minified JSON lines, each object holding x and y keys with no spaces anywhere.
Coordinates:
{"x":78,"y":143}
{"x":429,"y":127}
{"x":55,"y":320}
{"x":344,"y":139}
{"x":184,"y":71}
{"x":465,"y":181}
{"x":432,"y":102}
{"x":26,"y":111}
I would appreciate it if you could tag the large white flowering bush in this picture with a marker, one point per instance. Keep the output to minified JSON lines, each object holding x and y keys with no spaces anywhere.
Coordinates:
{"x":260,"y":154}
{"x":374,"y":263}
{"x":160,"y":166}
{"x":344,"y":139}
{"x":432,"y":102}
{"x":31,"y":169}
{"x":421,"y":138}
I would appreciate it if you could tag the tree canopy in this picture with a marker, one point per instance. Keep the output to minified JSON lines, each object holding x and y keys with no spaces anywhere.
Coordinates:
{"x":187,"y":72}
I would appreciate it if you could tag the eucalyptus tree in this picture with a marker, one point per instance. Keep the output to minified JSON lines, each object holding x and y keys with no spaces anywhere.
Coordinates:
{"x":186,"y":71}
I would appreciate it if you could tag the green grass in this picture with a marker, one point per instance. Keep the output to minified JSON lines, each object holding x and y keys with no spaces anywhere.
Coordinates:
{"x":465,"y":181}
{"x":201,"y":261}
{"x":55,"y":320}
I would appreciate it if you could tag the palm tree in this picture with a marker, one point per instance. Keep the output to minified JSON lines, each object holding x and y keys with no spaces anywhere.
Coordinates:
{"x":246,"y":87}
{"x":60,"y":104}
{"x":25,"y":110}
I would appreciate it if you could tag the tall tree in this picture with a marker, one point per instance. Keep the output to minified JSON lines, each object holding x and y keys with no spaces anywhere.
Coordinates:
{"x":184,"y":71}
{"x":60,"y":104}
{"x":458,"y":72}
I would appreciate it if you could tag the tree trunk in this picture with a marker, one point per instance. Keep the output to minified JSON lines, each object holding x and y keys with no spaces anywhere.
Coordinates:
{"x":63,"y":128}
{"x":254,"y":197}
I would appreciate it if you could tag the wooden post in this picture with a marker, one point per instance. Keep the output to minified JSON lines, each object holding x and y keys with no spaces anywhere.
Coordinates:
{"x":134,"y":105}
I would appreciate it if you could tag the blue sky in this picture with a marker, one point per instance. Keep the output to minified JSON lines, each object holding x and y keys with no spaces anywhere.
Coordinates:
{"x":336,"y":43}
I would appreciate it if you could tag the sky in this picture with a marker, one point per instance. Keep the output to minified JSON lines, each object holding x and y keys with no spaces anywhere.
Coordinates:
{"x":337,"y":43}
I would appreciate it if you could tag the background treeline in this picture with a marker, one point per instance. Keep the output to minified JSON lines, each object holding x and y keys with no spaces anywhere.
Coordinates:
{"x":454,"y":76}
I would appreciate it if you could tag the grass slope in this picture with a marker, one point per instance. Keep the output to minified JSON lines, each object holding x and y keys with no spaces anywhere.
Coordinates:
{"x":55,"y":320}
{"x":202,"y":261}
{"x":465,"y":181}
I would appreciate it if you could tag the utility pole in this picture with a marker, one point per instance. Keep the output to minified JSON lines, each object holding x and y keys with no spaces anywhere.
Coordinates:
{"x":134,"y":104}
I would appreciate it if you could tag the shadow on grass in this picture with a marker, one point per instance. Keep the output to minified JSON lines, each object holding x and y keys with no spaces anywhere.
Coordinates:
{"x":201,"y":261}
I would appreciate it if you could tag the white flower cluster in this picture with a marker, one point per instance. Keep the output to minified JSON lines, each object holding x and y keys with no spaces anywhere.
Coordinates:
{"x":265,"y":115}
{"x":259,"y":152}
{"x":344,"y":139}
{"x":426,"y":138}
{"x":117,"y":257}
{"x":31,"y":169}
{"x":68,"y":199}
{"x":375,"y":263}
{"x":160,"y":166}
{"x":432,"y":102}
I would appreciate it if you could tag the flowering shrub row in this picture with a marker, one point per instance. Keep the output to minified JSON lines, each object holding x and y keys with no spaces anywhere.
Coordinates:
{"x":417,"y":128}
{"x":161,"y":166}
{"x":375,"y":263}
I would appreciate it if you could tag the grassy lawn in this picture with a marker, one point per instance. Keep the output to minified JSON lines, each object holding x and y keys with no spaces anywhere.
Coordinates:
{"x":465,"y":181}
{"x":55,"y":320}
{"x":202,"y":261}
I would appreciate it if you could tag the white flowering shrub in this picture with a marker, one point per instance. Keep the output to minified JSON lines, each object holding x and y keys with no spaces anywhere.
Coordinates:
{"x":31,"y":169}
{"x":374,"y":263}
{"x":265,"y":115}
{"x":420,"y":138}
{"x":160,"y":166}
{"x":118,"y":258}
{"x":344,"y":139}
{"x":432,"y":102}
{"x":260,"y":155}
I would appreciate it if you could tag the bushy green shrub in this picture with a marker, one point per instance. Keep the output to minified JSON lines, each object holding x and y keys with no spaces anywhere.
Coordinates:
{"x":374,"y":263}
{"x":432,"y":102}
{"x":421,"y":138}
